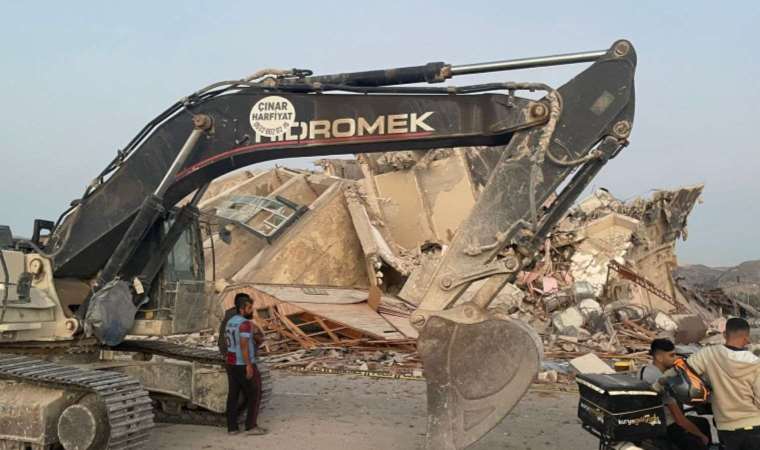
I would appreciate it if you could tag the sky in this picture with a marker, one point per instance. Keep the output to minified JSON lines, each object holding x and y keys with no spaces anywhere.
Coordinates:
{"x":81,"y":78}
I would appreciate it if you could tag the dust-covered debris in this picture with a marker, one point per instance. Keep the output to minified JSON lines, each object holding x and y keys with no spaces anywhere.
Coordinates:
{"x":602,"y":285}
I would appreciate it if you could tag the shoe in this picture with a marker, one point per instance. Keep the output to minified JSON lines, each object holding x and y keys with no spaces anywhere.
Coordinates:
{"x":233,"y":432}
{"x":258,"y":431}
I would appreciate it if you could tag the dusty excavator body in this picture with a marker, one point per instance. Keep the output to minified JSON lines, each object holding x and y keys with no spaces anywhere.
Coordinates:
{"x":105,"y":254}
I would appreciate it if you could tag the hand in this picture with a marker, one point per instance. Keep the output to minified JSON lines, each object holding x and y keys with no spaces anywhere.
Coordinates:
{"x":249,"y":371}
{"x":705,"y":440}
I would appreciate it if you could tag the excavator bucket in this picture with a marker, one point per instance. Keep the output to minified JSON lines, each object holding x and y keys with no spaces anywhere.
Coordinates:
{"x":476,"y":373}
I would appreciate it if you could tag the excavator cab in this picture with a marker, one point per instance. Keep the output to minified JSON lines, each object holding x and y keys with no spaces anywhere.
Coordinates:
{"x":180,"y":297}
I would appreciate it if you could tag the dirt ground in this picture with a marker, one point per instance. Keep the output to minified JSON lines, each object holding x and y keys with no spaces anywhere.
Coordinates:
{"x":327,"y":412}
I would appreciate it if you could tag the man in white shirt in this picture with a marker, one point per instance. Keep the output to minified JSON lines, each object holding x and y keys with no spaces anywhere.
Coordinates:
{"x":734,"y":374}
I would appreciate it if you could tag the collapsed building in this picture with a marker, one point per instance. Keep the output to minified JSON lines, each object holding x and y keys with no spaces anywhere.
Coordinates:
{"x":331,"y":257}
{"x":370,"y":232}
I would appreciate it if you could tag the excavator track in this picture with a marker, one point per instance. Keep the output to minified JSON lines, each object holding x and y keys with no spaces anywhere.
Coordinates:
{"x":127,"y":405}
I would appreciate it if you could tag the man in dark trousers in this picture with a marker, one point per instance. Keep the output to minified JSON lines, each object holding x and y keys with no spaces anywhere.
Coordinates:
{"x":734,"y":374}
{"x":685,"y":433}
{"x":238,"y":343}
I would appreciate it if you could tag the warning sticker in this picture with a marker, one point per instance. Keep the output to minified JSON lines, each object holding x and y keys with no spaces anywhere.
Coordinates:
{"x":272,"y":116}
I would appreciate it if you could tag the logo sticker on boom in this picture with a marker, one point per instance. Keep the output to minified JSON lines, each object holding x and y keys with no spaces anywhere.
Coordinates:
{"x":272,"y":116}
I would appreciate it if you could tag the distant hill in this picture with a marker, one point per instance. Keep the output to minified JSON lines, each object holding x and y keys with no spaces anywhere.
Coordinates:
{"x":701,"y":276}
{"x":741,"y":282}
{"x":745,"y":273}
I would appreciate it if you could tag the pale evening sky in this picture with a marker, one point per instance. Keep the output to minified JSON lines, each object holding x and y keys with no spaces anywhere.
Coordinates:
{"x":81,"y":78}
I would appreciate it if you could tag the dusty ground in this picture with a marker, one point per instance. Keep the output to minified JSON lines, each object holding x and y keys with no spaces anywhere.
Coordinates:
{"x":326,"y":412}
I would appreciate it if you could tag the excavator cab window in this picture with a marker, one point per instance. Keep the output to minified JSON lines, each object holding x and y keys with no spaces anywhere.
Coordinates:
{"x":185,"y":261}
{"x":180,"y":286}
{"x":182,"y":262}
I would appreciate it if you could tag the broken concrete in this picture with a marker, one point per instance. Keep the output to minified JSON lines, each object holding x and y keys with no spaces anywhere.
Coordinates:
{"x":320,"y":249}
{"x":590,"y":363}
{"x":375,"y":227}
{"x":423,"y":201}
{"x":348,"y":169}
{"x":569,"y":322}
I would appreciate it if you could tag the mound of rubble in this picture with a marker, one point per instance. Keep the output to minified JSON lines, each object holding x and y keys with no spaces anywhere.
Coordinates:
{"x":332,"y":259}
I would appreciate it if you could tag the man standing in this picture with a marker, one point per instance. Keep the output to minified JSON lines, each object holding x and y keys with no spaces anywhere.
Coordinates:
{"x":242,"y":374}
{"x":686,"y":433}
{"x":734,"y":373}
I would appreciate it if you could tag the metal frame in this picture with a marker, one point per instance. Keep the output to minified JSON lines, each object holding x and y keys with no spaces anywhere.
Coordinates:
{"x":277,"y":229}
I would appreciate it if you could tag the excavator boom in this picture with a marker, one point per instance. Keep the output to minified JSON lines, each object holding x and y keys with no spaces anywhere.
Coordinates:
{"x":478,"y":361}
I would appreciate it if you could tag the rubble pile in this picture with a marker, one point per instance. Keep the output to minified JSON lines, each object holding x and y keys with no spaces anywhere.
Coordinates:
{"x":350,"y":360}
{"x":604,"y":285}
{"x":333,"y":261}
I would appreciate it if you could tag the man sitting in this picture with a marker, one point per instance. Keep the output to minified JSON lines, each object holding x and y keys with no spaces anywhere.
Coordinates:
{"x":685,"y":433}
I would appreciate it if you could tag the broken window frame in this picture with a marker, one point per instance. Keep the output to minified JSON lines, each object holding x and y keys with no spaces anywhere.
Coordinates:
{"x":276,"y":207}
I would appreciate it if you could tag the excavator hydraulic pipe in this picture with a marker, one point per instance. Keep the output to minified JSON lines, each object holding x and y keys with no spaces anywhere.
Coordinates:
{"x":527,"y":63}
{"x":149,"y":212}
{"x":201,"y":123}
{"x":429,"y":73}
{"x":437,"y":72}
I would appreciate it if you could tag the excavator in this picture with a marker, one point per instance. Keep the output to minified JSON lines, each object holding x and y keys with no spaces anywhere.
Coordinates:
{"x":122,"y":259}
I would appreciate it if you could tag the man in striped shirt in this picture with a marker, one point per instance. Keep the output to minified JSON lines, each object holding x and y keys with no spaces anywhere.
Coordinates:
{"x":242,"y":374}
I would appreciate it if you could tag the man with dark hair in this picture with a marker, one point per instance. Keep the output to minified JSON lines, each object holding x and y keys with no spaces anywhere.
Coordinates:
{"x":229,"y":314}
{"x":734,"y":373}
{"x":683,"y":432}
{"x":242,"y":374}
